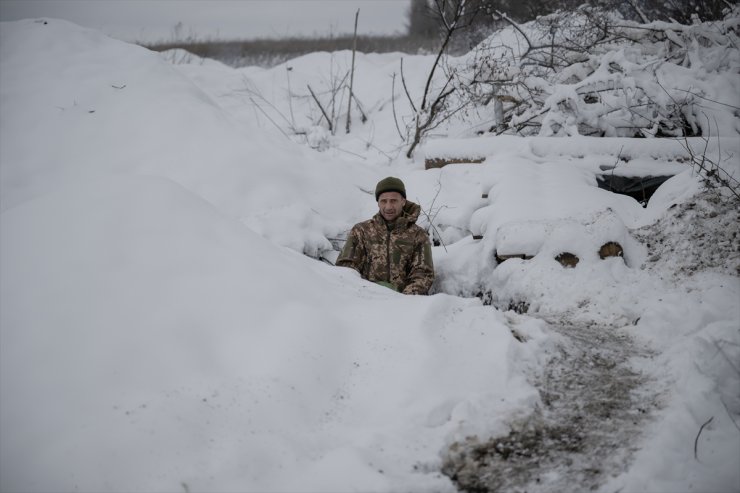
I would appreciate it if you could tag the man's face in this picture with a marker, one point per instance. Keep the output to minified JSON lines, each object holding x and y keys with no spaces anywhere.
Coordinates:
{"x":390,"y":205}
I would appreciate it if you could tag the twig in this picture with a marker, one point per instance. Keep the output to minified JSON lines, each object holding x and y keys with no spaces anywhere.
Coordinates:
{"x":290,"y":96}
{"x":431,"y":218}
{"x":353,"y":153}
{"x":696,"y":440}
{"x":393,"y":106}
{"x":729,"y":414}
{"x":729,"y":361}
{"x":611,"y":177}
{"x":450,"y":28}
{"x":713,"y":171}
{"x":352,"y":74}
{"x":637,"y":9}
{"x":257,"y":94}
{"x":326,"y":260}
{"x":318,"y":103}
{"x":359,"y":107}
{"x":707,"y":99}
{"x":530,"y":46}
{"x":406,"y":89}
{"x":268,"y":117}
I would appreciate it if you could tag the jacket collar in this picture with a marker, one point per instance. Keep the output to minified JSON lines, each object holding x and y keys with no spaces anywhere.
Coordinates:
{"x":409,"y":215}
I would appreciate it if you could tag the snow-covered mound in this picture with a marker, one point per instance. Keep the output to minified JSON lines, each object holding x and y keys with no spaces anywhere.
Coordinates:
{"x":150,"y":341}
{"x":106,"y":107}
{"x":590,"y":72}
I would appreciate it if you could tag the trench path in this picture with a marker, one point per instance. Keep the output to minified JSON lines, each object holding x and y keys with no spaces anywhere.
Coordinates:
{"x":594,"y":405}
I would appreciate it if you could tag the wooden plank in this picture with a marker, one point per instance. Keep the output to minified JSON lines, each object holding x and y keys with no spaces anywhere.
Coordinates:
{"x":441,"y":162}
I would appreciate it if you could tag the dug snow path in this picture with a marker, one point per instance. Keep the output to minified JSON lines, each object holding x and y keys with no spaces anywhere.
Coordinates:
{"x":594,"y":405}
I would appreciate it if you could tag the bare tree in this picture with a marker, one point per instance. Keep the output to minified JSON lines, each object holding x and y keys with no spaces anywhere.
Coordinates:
{"x":433,"y":110}
{"x":570,"y":50}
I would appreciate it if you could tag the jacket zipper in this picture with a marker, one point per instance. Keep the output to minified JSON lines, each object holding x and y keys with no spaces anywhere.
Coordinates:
{"x":388,"y":253}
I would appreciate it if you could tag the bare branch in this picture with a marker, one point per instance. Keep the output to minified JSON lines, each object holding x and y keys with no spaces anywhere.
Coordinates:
{"x":268,"y":117}
{"x":639,"y":12}
{"x":696,"y":440}
{"x":393,"y":106}
{"x":359,"y":107}
{"x":318,"y":103}
{"x":406,"y":89}
{"x":352,"y":75}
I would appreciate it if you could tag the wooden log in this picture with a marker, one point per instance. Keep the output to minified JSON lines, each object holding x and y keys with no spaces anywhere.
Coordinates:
{"x":501,"y":258}
{"x":567,"y":259}
{"x":611,"y":249}
{"x":440,"y":162}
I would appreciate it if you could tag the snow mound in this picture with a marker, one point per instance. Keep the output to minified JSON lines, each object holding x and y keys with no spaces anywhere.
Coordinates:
{"x":175,"y":346}
{"x":106,"y":108}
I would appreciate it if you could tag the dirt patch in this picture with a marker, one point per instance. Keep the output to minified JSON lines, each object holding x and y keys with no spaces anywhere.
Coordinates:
{"x":702,"y":235}
{"x":592,"y":411}
{"x":594,"y":403}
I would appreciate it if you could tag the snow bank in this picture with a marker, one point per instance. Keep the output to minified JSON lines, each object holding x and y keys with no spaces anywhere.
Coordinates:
{"x":696,"y":330}
{"x":720,"y":149}
{"x":149,"y":341}
{"x":106,"y":107}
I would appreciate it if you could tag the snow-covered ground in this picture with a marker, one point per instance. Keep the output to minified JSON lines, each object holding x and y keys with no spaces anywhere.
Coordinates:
{"x":165,"y":325}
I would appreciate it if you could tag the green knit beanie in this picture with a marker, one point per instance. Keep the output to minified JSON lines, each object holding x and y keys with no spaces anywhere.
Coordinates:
{"x":390,"y":184}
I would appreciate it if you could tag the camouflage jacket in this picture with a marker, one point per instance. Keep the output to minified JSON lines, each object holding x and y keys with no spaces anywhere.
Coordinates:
{"x":399,"y":253}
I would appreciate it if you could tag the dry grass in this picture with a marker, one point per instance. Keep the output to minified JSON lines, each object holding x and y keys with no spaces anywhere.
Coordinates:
{"x":271,"y":52}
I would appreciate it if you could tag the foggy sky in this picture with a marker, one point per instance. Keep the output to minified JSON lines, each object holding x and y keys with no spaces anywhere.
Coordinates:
{"x":155,"y":20}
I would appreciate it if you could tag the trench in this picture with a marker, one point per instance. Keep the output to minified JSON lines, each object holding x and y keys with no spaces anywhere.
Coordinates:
{"x":594,"y":403}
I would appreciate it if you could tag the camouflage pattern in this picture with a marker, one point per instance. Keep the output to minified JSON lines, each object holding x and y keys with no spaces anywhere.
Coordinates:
{"x":399,"y":252}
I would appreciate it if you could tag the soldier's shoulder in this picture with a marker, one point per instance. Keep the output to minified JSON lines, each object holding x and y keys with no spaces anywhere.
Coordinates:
{"x":417,"y":230}
{"x":364,"y":226}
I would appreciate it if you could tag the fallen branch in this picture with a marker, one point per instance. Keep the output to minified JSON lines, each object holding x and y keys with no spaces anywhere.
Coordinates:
{"x":393,"y":106}
{"x":268,"y":117}
{"x":359,"y":107}
{"x":406,"y":89}
{"x":323,"y":112}
{"x":696,"y":440}
{"x":729,"y":414}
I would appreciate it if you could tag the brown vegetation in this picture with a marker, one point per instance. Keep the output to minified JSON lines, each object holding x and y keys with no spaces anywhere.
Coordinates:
{"x":271,"y":52}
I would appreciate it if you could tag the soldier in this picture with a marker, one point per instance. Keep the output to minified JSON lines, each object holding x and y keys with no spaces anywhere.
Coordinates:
{"x":390,"y":249}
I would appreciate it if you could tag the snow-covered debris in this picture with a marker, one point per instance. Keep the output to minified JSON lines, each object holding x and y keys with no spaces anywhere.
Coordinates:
{"x":590,"y":72}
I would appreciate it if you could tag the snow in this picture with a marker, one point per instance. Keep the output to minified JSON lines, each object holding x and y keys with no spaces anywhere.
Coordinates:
{"x":163,"y":326}
{"x":632,"y":81}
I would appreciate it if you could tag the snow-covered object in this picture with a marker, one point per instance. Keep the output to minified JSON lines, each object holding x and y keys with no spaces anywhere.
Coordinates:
{"x":661,"y":154}
{"x":582,"y":237}
{"x":593,"y":73}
